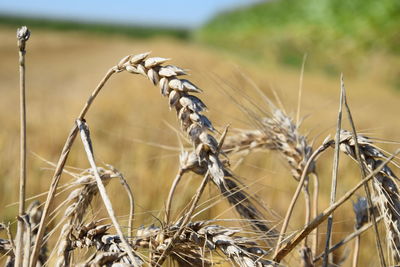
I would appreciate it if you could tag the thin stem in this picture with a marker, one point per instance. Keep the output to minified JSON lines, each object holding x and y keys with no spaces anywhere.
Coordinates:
{"x":334,"y":180}
{"x":87,"y":143}
{"x":171,"y":194}
{"x":378,"y":242}
{"x":185,"y":220}
{"x":307,"y":202}
{"x":23,"y":35}
{"x":356,"y":251}
{"x":60,"y":166}
{"x":188,"y":216}
{"x":130,"y":196}
{"x":314,"y":245}
{"x":289,"y":212}
{"x":289,"y":246}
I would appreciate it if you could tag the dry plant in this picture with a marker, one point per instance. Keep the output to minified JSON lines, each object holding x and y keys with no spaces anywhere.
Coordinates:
{"x":86,"y":241}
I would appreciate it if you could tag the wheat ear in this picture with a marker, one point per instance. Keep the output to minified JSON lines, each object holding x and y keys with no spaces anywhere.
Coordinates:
{"x":196,"y":242}
{"x":386,"y":188}
{"x":79,"y":199}
{"x":196,"y":125}
{"x":291,"y":244}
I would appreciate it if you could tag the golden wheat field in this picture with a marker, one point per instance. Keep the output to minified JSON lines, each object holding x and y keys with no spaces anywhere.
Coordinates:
{"x":134,"y":130}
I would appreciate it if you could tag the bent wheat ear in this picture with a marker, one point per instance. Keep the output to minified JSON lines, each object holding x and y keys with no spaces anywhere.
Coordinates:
{"x":278,"y":132}
{"x":199,"y":129}
{"x":196,"y":243}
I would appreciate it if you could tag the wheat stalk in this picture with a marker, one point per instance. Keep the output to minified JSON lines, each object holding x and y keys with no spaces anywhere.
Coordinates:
{"x":23,"y":35}
{"x":197,"y":126}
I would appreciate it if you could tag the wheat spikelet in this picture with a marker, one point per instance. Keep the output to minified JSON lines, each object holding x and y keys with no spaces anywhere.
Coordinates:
{"x":108,"y":247}
{"x":385,"y":187}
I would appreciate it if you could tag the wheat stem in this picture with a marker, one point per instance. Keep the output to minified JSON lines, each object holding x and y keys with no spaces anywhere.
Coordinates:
{"x":290,"y":209}
{"x":334,"y":180}
{"x":23,"y":35}
{"x":356,"y":234}
{"x":87,"y":143}
{"x":307,"y":202}
{"x":130,"y":196}
{"x":171,"y":194}
{"x":356,"y":251}
{"x":363,"y":174}
{"x":314,"y":245}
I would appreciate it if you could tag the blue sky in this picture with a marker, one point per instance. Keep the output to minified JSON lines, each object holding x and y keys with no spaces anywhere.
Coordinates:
{"x":168,"y":12}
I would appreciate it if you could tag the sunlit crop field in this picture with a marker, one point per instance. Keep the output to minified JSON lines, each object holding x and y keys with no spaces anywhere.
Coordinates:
{"x":133,"y":129}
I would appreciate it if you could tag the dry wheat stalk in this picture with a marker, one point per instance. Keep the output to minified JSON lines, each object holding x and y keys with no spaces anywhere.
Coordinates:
{"x":23,"y":35}
{"x":88,"y":146}
{"x":197,"y":126}
{"x":384,"y":183}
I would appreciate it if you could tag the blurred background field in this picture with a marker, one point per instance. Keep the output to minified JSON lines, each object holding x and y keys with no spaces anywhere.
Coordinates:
{"x":133,"y":129}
